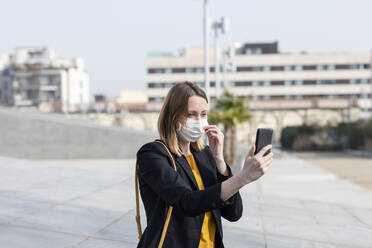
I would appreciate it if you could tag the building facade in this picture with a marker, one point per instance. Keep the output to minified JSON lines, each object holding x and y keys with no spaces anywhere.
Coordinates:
{"x":38,"y":77}
{"x":273,"y":80}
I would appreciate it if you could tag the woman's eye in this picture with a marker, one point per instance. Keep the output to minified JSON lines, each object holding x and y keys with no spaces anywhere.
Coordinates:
{"x":196,"y":115}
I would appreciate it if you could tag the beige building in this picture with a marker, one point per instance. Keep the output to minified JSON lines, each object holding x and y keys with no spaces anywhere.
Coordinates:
{"x":131,"y":99}
{"x":275,"y":81}
{"x":285,"y":88}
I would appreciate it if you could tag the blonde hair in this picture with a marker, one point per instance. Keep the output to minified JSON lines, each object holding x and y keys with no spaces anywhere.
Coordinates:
{"x":175,"y":107}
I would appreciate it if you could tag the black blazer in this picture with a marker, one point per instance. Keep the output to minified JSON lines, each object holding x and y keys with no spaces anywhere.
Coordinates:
{"x":161,"y":186}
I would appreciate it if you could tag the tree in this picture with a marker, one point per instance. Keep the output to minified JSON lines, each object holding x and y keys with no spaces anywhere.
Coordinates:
{"x":230,"y":111}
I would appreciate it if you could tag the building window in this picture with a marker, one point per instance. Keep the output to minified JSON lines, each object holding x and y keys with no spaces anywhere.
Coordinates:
{"x":309,"y":67}
{"x":363,"y":94}
{"x":255,"y":97}
{"x":266,"y":97}
{"x":287,"y":68}
{"x":242,"y":83}
{"x":266,"y":68}
{"x":266,"y":83}
{"x":299,"y":82}
{"x":277,"y":83}
{"x":331,"y":67}
{"x":319,"y":82}
{"x":156,"y":99}
{"x":342,"y":67}
{"x":320,"y":67}
{"x":253,"y":51}
{"x":243,"y":68}
{"x":342,"y":81}
{"x":168,"y":70}
{"x":158,"y":85}
{"x":178,"y":70}
{"x":299,"y":97}
{"x":277,"y":68}
{"x":201,"y":84}
{"x":354,"y":67}
{"x":255,"y":83}
{"x":330,"y":82}
{"x":309,"y":82}
{"x":288,"y":97}
{"x":364,"y":81}
{"x":298,"y":67}
{"x":287,"y":83}
{"x":353,"y":81}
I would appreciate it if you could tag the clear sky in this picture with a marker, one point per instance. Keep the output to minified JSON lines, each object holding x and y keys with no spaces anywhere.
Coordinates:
{"x":113,"y":36}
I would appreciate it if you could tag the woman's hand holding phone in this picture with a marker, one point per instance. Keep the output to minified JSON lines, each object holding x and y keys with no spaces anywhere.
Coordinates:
{"x":256,"y":166}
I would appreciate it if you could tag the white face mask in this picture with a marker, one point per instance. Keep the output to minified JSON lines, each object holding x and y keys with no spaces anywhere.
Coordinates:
{"x":193,"y":129}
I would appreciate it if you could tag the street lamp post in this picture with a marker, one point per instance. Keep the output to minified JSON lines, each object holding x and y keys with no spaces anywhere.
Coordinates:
{"x":228,"y":66}
{"x":370,"y":79}
{"x":216,"y":61}
{"x":206,"y":49}
{"x":218,"y":26}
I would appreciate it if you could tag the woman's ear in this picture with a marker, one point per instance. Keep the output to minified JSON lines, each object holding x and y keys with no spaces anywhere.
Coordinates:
{"x":179,"y":126}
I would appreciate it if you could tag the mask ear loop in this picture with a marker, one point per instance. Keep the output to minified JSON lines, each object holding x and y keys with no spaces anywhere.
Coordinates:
{"x":180,"y":125}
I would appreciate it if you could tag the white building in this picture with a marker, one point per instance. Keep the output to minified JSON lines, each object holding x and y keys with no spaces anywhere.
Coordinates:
{"x":4,"y":63}
{"x":39,"y":77}
{"x":275,"y":81}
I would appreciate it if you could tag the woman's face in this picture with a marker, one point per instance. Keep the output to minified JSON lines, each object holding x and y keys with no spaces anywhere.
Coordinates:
{"x":197,"y":108}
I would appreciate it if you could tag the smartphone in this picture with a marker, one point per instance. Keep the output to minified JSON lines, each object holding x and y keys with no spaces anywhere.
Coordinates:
{"x":264,"y":137}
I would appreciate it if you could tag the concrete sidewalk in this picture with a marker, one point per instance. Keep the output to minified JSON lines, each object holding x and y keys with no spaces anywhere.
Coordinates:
{"x":91,"y":204}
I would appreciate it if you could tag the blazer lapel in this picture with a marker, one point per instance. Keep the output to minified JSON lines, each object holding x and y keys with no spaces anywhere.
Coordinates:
{"x":207,"y":172}
{"x":186,"y":167}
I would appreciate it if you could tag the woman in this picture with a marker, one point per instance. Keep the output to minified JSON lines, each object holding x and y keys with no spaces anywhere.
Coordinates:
{"x":202,"y":189}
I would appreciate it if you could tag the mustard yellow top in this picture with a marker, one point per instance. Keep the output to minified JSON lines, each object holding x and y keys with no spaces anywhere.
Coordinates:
{"x":208,"y":231}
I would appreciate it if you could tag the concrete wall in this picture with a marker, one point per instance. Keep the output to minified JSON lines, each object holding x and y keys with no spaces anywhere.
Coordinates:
{"x":276,"y":120}
{"x":33,"y":135}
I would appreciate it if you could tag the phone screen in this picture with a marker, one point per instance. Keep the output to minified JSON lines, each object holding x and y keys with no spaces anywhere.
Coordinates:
{"x":263,"y":138}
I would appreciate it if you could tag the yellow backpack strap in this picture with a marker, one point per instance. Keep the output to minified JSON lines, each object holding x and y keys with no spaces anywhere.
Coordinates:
{"x":138,"y":218}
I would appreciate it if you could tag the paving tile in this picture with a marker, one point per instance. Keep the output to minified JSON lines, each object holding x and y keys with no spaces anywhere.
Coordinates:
{"x":252,"y":223}
{"x":274,"y":241}
{"x":124,"y":230}
{"x":362,"y":214}
{"x":71,"y":219}
{"x":238,"y":238}
{"x":12,"y":208}
{"x":21,"y":237}
{"x":99,"y":243}
{"x":353,"y":236}
{"x":294,"y":229}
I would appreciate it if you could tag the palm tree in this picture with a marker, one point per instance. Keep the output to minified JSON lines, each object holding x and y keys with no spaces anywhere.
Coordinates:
{"x":230,"y":111}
